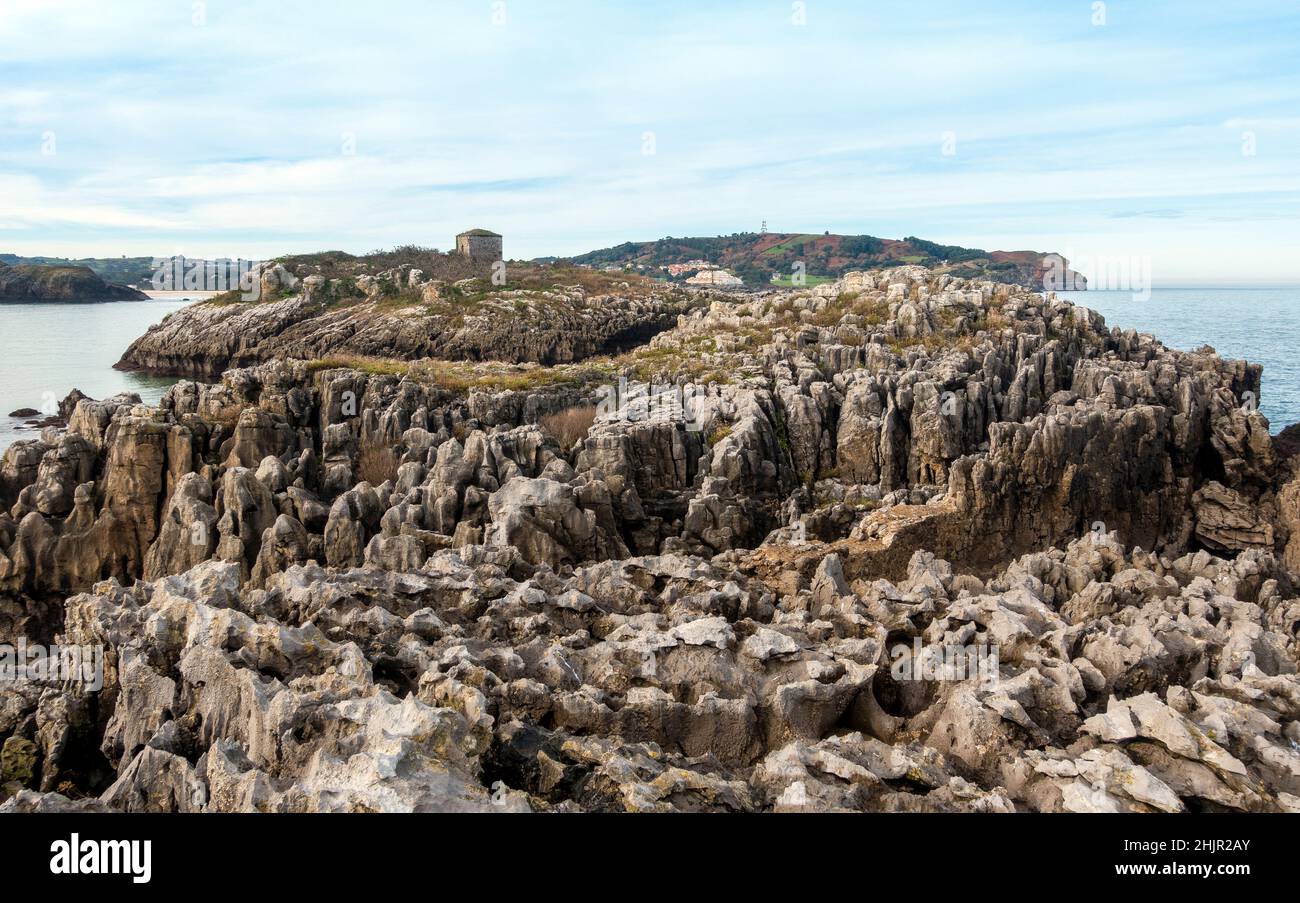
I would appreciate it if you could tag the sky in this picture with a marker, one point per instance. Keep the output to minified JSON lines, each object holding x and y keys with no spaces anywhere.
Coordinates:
{"x":1161,"y":134}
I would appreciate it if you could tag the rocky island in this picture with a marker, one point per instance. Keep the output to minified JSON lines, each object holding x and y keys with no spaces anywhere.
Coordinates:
{"x":412,"y":544}
{"x":544,"y":315}
{"x":26,"y":283}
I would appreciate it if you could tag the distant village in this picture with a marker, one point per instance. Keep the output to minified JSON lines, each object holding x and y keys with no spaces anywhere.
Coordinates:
{"x":701,"y":272}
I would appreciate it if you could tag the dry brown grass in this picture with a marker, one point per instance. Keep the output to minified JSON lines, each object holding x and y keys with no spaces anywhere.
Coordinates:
{"x":544,"y":277}
{"x":448,"y":267}
{"x":874,"y":311}
{"x":375,"y":366}
{"x":462,"y":376}
{"x":570,"y":426}
{"x":377,"y":464}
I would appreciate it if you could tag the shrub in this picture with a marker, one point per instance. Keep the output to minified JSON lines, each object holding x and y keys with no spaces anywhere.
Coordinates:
{"x":377,"y":464}
{"x":719,"y":433}
{"x":375,"y":366}
{"x":570,"y":426}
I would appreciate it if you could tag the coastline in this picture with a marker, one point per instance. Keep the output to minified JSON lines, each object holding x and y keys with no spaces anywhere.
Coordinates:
{"x":50,"y":348}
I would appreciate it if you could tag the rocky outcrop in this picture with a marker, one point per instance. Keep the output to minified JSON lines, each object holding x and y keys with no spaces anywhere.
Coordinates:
{"x":760,"y":583}
{"x":399,"y":315}
{"x":477,"y":681}
{"x":29,"y":282}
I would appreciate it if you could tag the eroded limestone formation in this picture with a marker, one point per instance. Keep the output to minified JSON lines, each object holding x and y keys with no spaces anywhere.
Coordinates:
{"x":332,"y":588}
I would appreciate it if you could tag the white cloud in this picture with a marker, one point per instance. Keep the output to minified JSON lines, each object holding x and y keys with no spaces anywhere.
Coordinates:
{"x":1277,"y":122}
{"x":29,"y":203}
{"x":229,"y":135}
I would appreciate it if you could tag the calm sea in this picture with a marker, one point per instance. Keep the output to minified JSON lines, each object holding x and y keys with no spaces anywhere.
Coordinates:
{"x":46,"y":350}
{"x":1259,"y":325}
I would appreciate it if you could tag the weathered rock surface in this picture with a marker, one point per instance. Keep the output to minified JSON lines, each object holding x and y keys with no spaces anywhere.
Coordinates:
{"x":364,"y":591}
{"x":314,"y":319}
{"x":479,"y":681}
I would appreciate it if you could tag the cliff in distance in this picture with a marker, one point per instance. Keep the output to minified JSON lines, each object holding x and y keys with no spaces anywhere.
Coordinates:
{"x":119,"y":270}
{"x":59,"y":283}
{"x":364,"y":584}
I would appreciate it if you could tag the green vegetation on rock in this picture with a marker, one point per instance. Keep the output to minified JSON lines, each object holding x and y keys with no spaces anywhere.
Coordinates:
{"x":760,"y":258}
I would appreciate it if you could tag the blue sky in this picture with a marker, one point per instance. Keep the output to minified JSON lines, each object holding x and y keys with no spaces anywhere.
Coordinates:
{"x":259,"y":128}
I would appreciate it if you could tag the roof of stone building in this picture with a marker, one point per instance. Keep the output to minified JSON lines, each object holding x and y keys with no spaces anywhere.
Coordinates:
{"x":479,"y":233}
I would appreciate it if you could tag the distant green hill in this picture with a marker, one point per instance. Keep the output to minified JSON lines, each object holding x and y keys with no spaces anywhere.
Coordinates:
{"x":31,"y":282}
{"x":137,"y":271}
{"x":758,"y":258}
{"x":121,"y":270}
